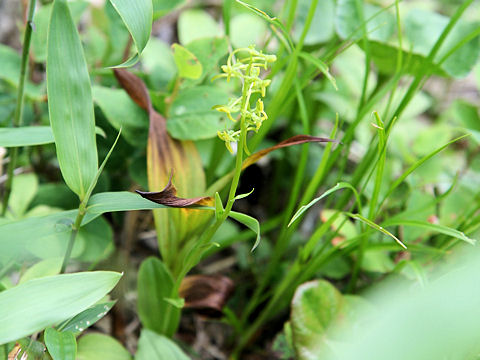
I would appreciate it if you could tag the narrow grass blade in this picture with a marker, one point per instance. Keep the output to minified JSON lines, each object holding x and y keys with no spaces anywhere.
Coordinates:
{"x":418,"y":164}
{"x":37,"y":304}
{"x":432,"y":227}
{"x":376,"y":227}
{"x":339,"y":186}
{"x":70,"y":102}
{"x":320,"y":65}
{"x":137,"y":16}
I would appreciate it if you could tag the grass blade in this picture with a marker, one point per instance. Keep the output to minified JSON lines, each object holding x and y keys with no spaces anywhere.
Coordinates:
{"x":376,"y":227}
{"x":70,"y":102}
{"x":339,"y":186}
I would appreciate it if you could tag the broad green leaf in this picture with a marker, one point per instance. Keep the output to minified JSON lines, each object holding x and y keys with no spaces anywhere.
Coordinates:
{"x":196,"y":24}
{"x":249,"y":222}
{"x":158,"y":347}
{"x":318,"y":312}
{"x":36,"y":304}
{"x":118,"y":201}
{"x":163,"y":7}
{"x":158,"y":64}
{"x":123,"y":113}
{"x":60,"y":345}
{"x":422,"y":29}
{"x":24,"y":187}
{"x":247,"y":29}
{"x":192,"y":116}
{"x":97,"y":237}
{"x":188,"y":65}
{"x":322,"y":26}
{"x":86,"y":318}
{"x":41,"y":20}
{"x":10,"y":72}
{"x":349,"y":22}
{"x":137,"y":17}
{"x":100,"y":347}
{"x":315,"y":307}
{"x":209,"y":52}
{"x":70,"y":101}
{"x":47,"y":267}
{"x":26,"y":136}
{"x":155,"y":284}
{"x":339,"y":186}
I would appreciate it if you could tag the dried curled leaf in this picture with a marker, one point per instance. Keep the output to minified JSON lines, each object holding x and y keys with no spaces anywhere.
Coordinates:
{"x":206,"y":294}
{"x":168,"y":197}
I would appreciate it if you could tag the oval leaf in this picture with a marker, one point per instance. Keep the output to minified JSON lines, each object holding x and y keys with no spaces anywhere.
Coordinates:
{"x":158,"y":347}
{"x":101,"y":347}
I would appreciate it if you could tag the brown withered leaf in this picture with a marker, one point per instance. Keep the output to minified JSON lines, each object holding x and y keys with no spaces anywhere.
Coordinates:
{"x":168,"y":197}
{"x":206,"y":294}
{"x":174,"y":226}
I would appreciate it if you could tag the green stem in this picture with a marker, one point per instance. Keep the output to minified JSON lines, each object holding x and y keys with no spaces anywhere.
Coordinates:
{"x":73,"y":235}
{"x":17,"y":120}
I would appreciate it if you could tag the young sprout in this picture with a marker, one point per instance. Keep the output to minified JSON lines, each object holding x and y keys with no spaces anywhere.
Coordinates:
{"x":246,"y":68}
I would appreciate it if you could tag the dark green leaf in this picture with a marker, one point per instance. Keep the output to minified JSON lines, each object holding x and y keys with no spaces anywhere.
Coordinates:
{"x":155,"y":284}
{"x":87,"y":318}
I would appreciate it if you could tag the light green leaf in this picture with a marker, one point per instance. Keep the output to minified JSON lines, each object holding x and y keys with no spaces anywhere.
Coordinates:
{"x":422,"y":29}
{"x":158,"y":347}
{"x":122,"y":112}
{"x":26,"y":136}
{"x":209,"y":51}
{"x":137,"y":16}
{"x":322,"y":26}
{"x":163,"y":7}
{"x":38,"y":303}
{"x":101,"y":347}
{"x":188,"y":65}
{"x":349,"y":24}
{"x":249,"y":222}
{"x":155,"y":284}
{"x":119,"y":201}
{"x":247,"y":29}
{"x":196,"y":24}
{"x":24,"y":188}
{"x":61,"y":345}
{"x":192,"y":117}
{"x":47,"y":267}
{"x":10,"y":72}
{"x":339,"y":186}
{"x":86,"y":318}
{"x":70,"y":101}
